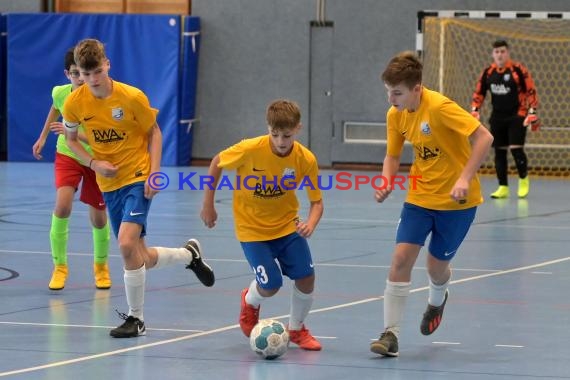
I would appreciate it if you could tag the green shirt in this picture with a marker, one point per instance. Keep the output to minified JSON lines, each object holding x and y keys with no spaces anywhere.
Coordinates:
{"x":59,"y":94}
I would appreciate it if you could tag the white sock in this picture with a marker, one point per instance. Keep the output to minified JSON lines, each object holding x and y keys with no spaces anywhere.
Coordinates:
{"x":134,"y":289}
{"x":253,"y":298}
{"x":300,"y":306}
{"x":169,"y":256}
{"x":395,"y":297}
{"x":437,"y":292}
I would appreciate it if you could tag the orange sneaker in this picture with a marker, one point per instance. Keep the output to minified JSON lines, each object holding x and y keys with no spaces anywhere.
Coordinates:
{"x":248,"y":316}
{"x":304,"y":339}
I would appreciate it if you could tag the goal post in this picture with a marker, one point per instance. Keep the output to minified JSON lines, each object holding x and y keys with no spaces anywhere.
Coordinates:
{"x":456,"y":46}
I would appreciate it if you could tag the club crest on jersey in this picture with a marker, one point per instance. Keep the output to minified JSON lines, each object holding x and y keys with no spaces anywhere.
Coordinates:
{"x":117,"y":113}
{"x":506,"y":77}
{"x":424,"y":127}
{"x":289,"y":172}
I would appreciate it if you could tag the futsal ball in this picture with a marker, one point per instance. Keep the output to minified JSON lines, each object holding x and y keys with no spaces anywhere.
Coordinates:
{"x":269,"y":338}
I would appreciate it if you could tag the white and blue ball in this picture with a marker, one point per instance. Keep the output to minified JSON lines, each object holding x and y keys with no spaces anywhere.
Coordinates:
{"x":269,"y":338}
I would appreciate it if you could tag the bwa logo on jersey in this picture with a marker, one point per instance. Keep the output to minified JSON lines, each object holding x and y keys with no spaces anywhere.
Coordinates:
{"x":117,"y":113}
{"x":506,"y":77}
{"x":105,"y":136}
{"x":275,"y":187}
{"x":424,"y":127}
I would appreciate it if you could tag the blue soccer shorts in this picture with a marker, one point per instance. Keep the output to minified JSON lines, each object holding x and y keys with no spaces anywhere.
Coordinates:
{"x":270,"y":260}
{"x":127,"y":204}
{"x":448,"y":228}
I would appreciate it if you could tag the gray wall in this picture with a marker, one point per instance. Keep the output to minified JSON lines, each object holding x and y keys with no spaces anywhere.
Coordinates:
{"x":253,"y":51}
{"x":12,"y":6}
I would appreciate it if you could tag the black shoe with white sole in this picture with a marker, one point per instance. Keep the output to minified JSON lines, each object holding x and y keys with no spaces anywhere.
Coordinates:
{"x":202,"y":270}
{"x":131,"y":328}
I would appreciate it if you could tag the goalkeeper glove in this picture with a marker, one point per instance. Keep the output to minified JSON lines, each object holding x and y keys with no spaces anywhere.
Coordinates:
{"x":475,"y":113}
{"x":532,"y":120}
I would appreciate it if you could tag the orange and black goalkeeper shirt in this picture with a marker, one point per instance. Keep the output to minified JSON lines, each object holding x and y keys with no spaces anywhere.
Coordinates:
{"x":512,"y":90}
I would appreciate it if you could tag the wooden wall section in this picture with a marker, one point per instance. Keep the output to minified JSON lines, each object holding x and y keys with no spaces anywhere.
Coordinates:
{"x":182,"y":7}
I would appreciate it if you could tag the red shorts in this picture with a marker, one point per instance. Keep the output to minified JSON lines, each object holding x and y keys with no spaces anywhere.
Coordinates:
{"x":69,"y":172}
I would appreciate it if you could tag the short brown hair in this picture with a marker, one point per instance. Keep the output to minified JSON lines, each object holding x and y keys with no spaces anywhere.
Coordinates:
{"x":89,"y":54}
{"x":500,"y":43}
{"x":283,"y":114}
{"x":404,"y":68}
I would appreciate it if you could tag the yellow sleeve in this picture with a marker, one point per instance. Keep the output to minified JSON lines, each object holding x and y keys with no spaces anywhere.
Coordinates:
{"x":233,"y":157}
{"x":144,"y":113}
{"x":395,"y":138}
{"x":313,"y":174}
{"x":452,"y":116}
{"x":70,"y":112}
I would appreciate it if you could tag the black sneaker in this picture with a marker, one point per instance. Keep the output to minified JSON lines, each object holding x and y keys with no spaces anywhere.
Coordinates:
{"x":202,"y":270}
{"x":432,"y":317}
{"x":132,"y":327}
{"x":386,"y":345}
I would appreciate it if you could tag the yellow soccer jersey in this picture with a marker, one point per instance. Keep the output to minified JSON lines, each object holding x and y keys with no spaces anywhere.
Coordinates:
{"x":117,"y":130}
{"x":264,"y":201}
{"x":439,"y":131}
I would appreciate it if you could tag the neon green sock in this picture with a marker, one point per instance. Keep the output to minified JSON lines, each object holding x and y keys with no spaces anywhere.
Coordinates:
{"x":101,"y":238}
{"x":58,"y":235}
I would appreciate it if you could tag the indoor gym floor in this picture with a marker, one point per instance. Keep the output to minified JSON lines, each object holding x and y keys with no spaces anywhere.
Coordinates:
{"x":508,"y":314}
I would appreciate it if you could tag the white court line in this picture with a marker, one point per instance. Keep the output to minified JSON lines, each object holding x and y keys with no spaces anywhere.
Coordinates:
{"x":450,"y":343}
{"x":508,"y":345}
{"x":245,"y":261}
{"x":230,"y":327}
{"x":86,"y":326}
{"x":116,"y":352}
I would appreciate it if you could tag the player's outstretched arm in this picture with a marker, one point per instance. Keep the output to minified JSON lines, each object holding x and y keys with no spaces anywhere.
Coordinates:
{"x":155,"y":148}
{"x":38,"y":146}
{"x":208,"y":213}
{"x":478,"y":96}
{"x":481,"y":140}
{"x":155,"y":153}
{"x":104,"y":168}
{"x":389,"y":170}
{"x":307,"y":228}
{"x":71,"y":133}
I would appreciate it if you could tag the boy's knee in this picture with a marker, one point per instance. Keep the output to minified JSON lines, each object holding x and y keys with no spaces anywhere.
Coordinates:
{"x":306,"y":285}
{"x":402,"y":264}
{"x":267,"y":292}
{"x":62,"y":211}
{"x":127,"y":247}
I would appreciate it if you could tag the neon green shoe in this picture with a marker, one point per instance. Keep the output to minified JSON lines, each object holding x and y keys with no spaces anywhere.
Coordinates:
{"x":524,"y":187}
{"x":502,"y":192}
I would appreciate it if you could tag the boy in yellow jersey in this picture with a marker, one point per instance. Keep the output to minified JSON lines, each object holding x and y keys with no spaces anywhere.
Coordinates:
{"x":121,"y":129}
{"x":449,"y":146}
{"x":69,"y":171}
{"x":273,"y":237}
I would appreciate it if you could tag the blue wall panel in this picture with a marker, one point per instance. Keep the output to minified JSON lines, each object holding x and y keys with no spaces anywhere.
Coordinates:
{"x":144,"y":51}
{"x":189,"y":77}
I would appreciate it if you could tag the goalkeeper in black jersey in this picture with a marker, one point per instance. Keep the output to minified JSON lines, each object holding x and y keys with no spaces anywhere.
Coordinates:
{"x":515,"y":103}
